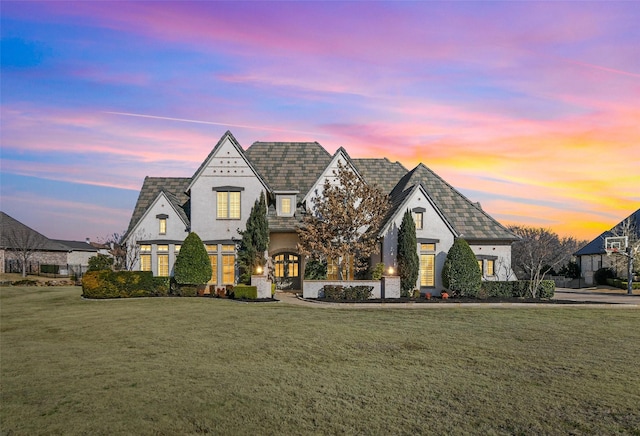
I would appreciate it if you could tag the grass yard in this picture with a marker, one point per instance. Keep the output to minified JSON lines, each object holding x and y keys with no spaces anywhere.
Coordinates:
{"x":196,"y":365}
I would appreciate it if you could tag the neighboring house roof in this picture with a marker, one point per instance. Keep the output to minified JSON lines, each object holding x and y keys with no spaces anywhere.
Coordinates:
{"x":173,"y":187}
{"x":381,"y":172}
{"x":289,"y":165}
{"x":13,"y":231}
{"x":596,"y":246}
{"x":76,"y":245}
{"x":467,"y":219}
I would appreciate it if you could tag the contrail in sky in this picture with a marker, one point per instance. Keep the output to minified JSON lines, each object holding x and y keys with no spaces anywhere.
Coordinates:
{"x":184,"y":120}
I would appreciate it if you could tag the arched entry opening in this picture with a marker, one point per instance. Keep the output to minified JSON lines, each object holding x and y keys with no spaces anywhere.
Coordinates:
{"x":286,"y":270}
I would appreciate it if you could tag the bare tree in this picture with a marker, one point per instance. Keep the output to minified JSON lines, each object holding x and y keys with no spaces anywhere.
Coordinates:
{"x":345,"y":221}
{"x":130,"y":249}
{"x":23,"y":242}
{"x":629,"y":228}
{"x":538,"y":252}
{"x":116,"y":249}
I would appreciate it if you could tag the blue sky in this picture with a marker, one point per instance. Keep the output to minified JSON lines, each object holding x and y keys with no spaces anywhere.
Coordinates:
{"x":530,"y":108}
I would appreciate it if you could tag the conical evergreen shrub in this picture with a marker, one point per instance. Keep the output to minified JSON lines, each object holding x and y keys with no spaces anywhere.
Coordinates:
{"x":461,"y":274}
{"x":192,"y":266}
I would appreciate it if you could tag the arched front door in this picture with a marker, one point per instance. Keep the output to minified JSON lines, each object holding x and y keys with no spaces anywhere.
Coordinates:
{"x":286,"y":269}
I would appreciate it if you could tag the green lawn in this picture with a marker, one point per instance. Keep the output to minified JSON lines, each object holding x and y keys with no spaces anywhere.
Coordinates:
{"x":199,"y":365}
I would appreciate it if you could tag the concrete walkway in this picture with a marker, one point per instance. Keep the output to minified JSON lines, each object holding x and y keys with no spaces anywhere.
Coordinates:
{"x":600,"y":297}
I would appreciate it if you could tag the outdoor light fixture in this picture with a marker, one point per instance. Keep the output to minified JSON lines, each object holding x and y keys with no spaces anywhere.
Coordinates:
{"x":259,"y":270}
{"x":390,"y":270}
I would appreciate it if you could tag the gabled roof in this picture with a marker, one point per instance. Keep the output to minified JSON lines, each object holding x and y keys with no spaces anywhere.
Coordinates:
{"x":173,"y":187}
{"x":466,"y":218}
{"x":76,"y":245}
{"x":289,"y":165}
{"x":597,"y":245}
{"x":381,"y":172}
{"x":13,"y":232}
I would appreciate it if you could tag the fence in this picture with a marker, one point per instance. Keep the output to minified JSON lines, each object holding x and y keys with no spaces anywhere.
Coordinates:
{"x":46,"y":270}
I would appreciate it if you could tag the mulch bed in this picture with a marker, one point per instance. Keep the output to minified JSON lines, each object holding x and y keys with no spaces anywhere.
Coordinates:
{"x":434,"y":300}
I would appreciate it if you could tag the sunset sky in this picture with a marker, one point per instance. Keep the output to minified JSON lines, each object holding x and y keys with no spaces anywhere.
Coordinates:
{"x":530,"y":108}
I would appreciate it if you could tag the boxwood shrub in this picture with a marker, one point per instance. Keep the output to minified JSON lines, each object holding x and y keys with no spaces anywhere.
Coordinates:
{"x":622,"y":284}
{"x":123,"y":284}
{"x":517,"y":289}
{"x":244,"y":292}
{"x":350,"y":293}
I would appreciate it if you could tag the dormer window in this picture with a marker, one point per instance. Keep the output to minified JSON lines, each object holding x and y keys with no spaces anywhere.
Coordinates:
{"x":285,"y":206}
{"x":162,"y":223}
{"x":286,"y":203}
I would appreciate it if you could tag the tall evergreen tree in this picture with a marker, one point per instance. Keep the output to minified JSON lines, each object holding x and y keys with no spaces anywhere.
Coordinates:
{"x":255,"y":240}
{"x":408,"y":262}
{"x":461,"y":274}
{"x":192,"y":266}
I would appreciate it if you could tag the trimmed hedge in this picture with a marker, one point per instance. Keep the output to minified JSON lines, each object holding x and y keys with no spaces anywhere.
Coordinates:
{"x":350,"y":293}
{"x":517,"y":289}
{"x":123,"y":284}
{"x":243,"y":292}
{"x":622,"y":284}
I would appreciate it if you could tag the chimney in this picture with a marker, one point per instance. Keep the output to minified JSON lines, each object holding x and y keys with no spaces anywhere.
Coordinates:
{"x":88,"y":240}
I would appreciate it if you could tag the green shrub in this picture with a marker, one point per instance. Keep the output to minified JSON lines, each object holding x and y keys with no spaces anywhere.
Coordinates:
{"x":243,"y":292}
{"x":187,"y":290}
{"x":377,"y":271}
{"x":461,"y":274}
{"x":123,"y":284}
{"x":100,"y":262}
{"x":50,"y":269}
{"x":622,"y":284}
{"x":192,"y":266}
{"x":315,"y":270}
{"x":408,"y":262}
{"x":498,"y":289}
{"x":273,"y":289}
{"x":334,"y":292}
{"x":517,"y":289}
{"x":601,"y":276}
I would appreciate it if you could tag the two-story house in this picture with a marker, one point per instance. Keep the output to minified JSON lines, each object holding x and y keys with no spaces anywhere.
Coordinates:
{"x":215,"y":203}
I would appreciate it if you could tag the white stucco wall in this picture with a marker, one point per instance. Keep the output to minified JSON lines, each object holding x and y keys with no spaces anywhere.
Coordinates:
{"x":502,"y":265}
{"x":226,"y":168}
{"x":433,"y":228}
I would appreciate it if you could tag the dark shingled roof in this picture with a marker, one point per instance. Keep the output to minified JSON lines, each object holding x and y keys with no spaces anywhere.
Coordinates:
{"x":381,"y":172}
{"x":467,"y":219}
{"x":173,"y":187}
{"x":597,"y":245}
{"x":284,"y":224}
{"x":289,"y":165}
{"x":13,"y":232}
{"x":76,"y":245}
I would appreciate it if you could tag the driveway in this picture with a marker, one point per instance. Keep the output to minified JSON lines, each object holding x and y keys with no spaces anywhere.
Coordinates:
{"x":604,"y":294}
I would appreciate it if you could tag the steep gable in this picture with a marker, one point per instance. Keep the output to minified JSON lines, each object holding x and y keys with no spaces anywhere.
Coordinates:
{"x":289,"y":165}
{"x":234,"y":152}
{"x":175,"y":190}
{"x":13,"y":231}
{"x":467,"y":219}
{"x":381,"y":172}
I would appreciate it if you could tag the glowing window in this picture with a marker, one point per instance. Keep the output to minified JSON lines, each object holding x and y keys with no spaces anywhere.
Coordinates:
{"x":490,"y":267}
{"x":285,"y":206}
{"x":228,"y":205}
{"x":163,"y":265}
{"x":427,"y":269}
{"x":228,"y":269}
{"x":145,"y":248}
{"x":177,"y":248}
{"x":163,"y":226}
{"x":417,"y":218}
{"x":213,"y":258}
{"x":427,"y":247}
{"x":145,"y":262}
{"x":163,"y":248}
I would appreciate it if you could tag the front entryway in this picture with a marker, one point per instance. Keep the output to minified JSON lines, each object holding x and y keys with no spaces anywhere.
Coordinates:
{"x":286,"y":269}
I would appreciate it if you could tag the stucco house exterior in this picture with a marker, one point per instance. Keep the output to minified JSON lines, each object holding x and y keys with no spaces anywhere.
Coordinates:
{"x":216,"y":200}
{"x":593,"y":256}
